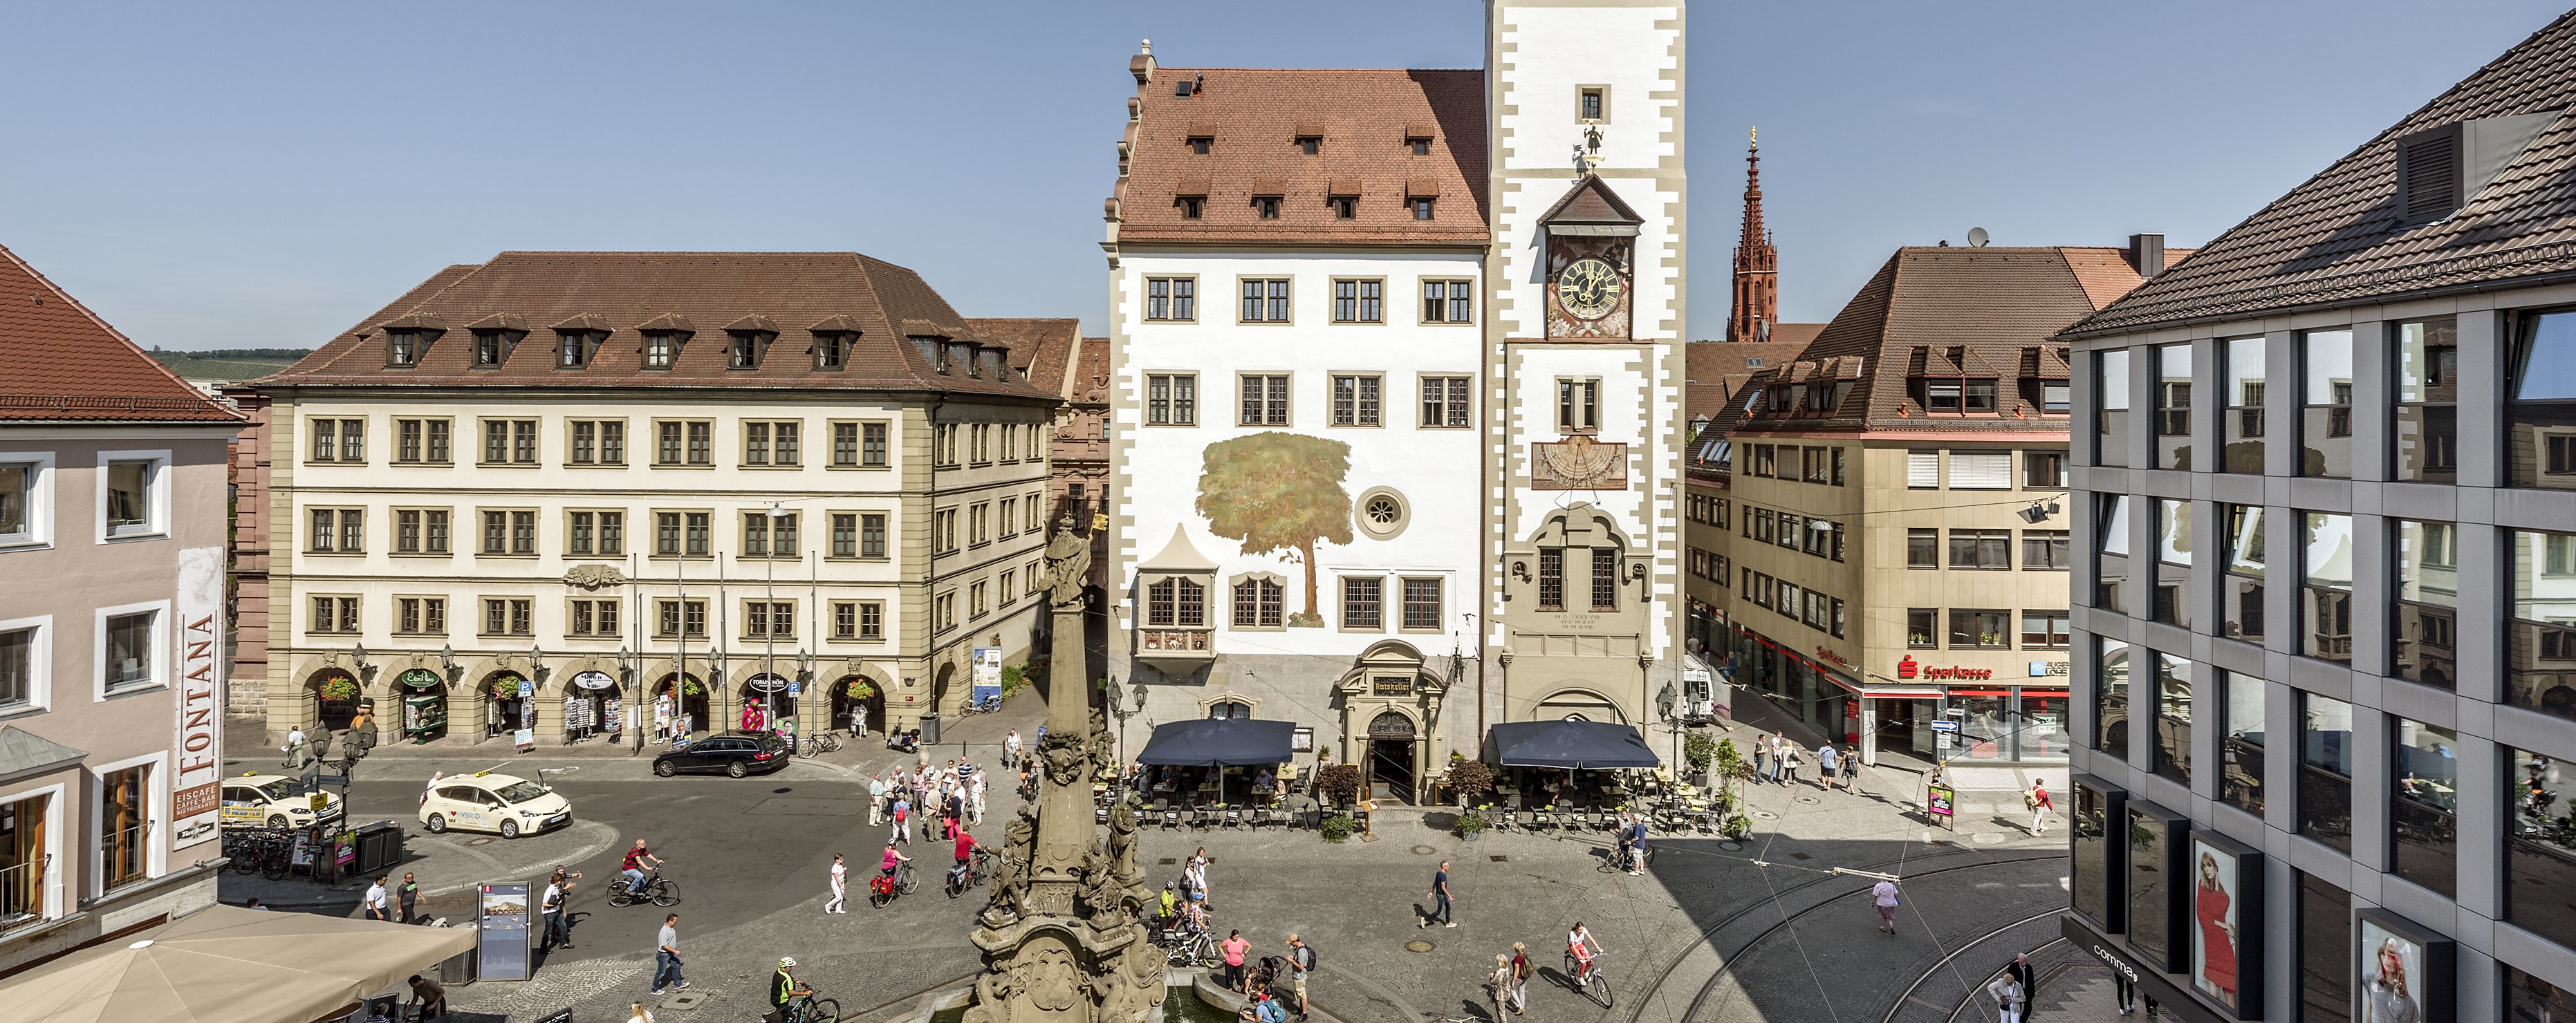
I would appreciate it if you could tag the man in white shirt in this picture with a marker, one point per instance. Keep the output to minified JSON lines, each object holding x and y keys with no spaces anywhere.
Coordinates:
{"x":840,"y":891}
{"x":976,"y":796}
{"x":294,"y":748}
{"x":1883,"y":897}
{"x":1011,"y":749}
{"x":876,"y":801}
{"x":376,"y":902}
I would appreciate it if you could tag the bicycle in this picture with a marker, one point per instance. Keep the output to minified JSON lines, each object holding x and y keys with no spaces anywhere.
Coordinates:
{"x":971,"y":874}
{"x":818,"y":743}
{"x":1593,"y":982}
{"x":809,"y":1009}
{"x":1617,"y":859}
{"x":1197,"y":949}
{"x":883,"y":890}
{"x":658,"y":890}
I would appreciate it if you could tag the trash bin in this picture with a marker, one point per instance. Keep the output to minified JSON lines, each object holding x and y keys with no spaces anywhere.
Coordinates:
{"x":929,"y":730}
{"x":380,"y":847}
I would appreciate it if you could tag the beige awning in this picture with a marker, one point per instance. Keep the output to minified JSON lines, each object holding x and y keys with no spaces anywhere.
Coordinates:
{"x":225,"y":964}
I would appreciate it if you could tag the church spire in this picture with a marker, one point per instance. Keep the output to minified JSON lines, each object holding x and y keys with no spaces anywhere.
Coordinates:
{"x":1757,"y":263}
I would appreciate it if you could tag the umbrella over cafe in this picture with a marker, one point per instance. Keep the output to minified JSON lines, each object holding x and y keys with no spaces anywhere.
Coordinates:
{"x":225,"y":964}
{"x":1572,"y":745}
{"x":1219,"y":742}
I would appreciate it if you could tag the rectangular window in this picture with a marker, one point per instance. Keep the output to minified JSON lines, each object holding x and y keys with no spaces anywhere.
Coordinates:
{"x":2540,"y":638}
{"x":2424,"y":805}
{"x":572,"y":349}
{"x":1971,"y":630}
{"x":845,"y":535}
{"x":2173,"y":406}
{"x":509,"y":442}
{"x":1444,"y":401}
{"x":771,"y":443}
{"x":2045,"y":549}
{"x":2325,"y":952}
{"x":1007,"y":514}
{"x":1578,"y":405}
{"x":1363,"y":602}
{"x":2111,"y":699}
{"x":2325,"y":770}
{"x":1922,"y":470}
{"x":661,"y":347}
{"x":1359,"y":301}
{"x":979,"y":529}
{"x":2170,"y":602}
{"x":1551,"y":579}
{"x":1265,"y":300}
{"x":2241,"y":425}
{"x":1171,"y":298}
{"x":2171,"y":756}
{"x":1922,"y":627}
{"x":845,"y":445}
{"x":1981,"y":548}
{"x":125,"y":827}
{"x":1922,"y":548}
{"x":2043,"y":470}
{"x":1605,"y":579}
{"x":1981,"y":470}
{"x":21,"y":499}
{"x":595,"y":618}
{"x":2151,"y":886}
{"x":2326,"y":587}
{"x":2427,"y":437}
{"x":422,"y":441}
{"x":580,"y":533}
{"x":333,"y":614}
{"x":1356,"y":400}
{"x":1265,"y":399}
{"x":2240,"y":742}
{"x":335,"y":531}
{"x":421,"y":616}
{"x":2111,"y":407}
{"x":2325,"y":418}
{"x":674,"y":618}
{"x":598,"y":442}
{"x":1422,"y":605}
{"x":339,"y":440}
{"x":2044,"y":630}
{"x":2111,"y":541}
{"x":2241,"y":590}
{"x":872,"y":535}
{"x":1259,"y":604}
{"x":1448,"y":301}
{"x":2540,"y":401}
{"x":2426,"y":631}
{"x":858,"y":620}
{"x":1172,"y":399}
{"x":769,"y":619}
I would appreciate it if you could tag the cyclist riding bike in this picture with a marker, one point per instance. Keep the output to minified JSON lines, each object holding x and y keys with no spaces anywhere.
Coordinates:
{"x":966,"y":846}
{"x":1580,"y":944}
{"x":1194,"y":918}
{"x":785,"y":988}
{"x":892,"y":862}
{"x":633,"y":865}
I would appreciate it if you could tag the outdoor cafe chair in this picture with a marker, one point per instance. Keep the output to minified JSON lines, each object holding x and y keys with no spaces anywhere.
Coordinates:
{"x":1233,"y":814}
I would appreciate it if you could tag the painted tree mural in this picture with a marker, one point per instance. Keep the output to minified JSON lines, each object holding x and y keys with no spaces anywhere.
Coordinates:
{"x":1278,"y":492}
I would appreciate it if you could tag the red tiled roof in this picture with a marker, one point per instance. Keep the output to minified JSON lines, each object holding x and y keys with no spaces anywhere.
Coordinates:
{"x":59,"y":361}
{"x":2338,"y":238}
{"x":1715,"y":372}
{"x":793,"y":293}
{"x":1030,"y":341}
{"x":1254,"y":117}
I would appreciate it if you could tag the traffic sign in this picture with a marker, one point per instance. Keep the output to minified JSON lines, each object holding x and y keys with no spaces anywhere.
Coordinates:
{"x":1945,"y":726}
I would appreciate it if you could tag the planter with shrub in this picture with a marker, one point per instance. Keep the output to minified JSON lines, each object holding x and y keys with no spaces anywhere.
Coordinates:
{"x":1339,"y":828}
{"x":1470,"y":825}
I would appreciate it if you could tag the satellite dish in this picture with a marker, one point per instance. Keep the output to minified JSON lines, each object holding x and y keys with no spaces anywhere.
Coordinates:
{"x":1977,"y":237}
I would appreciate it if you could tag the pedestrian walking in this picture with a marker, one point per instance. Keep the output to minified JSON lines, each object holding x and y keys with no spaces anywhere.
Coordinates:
{"x":1780,"y":748}
{"x":1826,"y":767}
{"x":902,"y":814}
{"x":1234,"y":948}
{"x":428,"y":998}
{"x":2124,"y":991}
{"x":2040,"y":806}
{"x":1521,"y":970}
{"x":558,"y":923}
{"x":2007,"y":994}
{"x":1851,"y":767}
{"x":1761,"y":760}
{"x":1011,"y":749}
{"x":840,"y":886}
{"x":409,"y":896}
{"x":1883,"y":896}
{"x":1441,"y":911}
{"x":375,"y":901}
{"x":1789,"y":758}
{"x":666,"y":957}
{"x":975,"y":791}
{"x":1499,"y":983}
{"x":294,"y":748}
{"x":2028,"y":978}
{"x":1301,"y":961}
{"x":876,"y":800}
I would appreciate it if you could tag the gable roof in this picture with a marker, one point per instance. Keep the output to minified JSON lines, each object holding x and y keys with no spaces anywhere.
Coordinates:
{"x":2338,"y":239}
{"x":1591,"y":201}
{"x":59,"y":362}
{"x":1254,"y":118}
{"x":1029,"y":340}
{"x":793,"y":294}
{"x":1945,"y":311}
{"x":1715,"y":372}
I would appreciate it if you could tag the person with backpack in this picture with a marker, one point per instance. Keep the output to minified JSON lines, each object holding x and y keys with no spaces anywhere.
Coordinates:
{"x":1301,"y":961}
{"x":1521,"y":970}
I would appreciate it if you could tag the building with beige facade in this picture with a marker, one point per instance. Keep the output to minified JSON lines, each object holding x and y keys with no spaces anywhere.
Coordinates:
{"x":558,"y":496}
{"x":1886,"y":516}
{"x":111,"y":630}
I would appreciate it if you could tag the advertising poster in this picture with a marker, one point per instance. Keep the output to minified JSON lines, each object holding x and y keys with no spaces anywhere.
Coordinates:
{"x":1940,"y":802}
{"x":199,"y":765}
{"x":502,"y":918}
{"x":988,"y":667}
{"x":2214,"y":952}
{"x":2392,"y":976}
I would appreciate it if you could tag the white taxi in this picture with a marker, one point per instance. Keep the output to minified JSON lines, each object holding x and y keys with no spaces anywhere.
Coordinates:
{"x":504,"y":804}
{"x":273,"y":801}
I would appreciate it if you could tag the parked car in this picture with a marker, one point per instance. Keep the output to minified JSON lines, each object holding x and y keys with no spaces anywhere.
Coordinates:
{"x":504,"y":804}
{"x":734,"y":753}
{"x":273,"y":800}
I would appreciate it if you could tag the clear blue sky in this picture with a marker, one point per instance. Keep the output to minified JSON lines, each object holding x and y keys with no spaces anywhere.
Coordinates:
{"x":262,"y":174}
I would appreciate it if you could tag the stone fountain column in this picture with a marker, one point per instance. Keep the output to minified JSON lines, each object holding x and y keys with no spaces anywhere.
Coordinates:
{"x":1064,"y":936}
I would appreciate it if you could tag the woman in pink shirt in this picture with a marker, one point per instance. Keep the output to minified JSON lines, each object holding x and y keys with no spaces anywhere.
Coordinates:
{"x":1234,"y":948}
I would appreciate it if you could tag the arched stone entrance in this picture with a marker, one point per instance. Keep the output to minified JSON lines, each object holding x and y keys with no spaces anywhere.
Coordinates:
{"x":858,"y":713}
{"x":679,"y":706}
{"x":765,"y":702}
{"x":941,"y":685}
{"x":506,"y":712}
{"x":336,"y":692}
{"x":1393,"y":767}
{"x":594,"y":702}
{"x":1390,"y":716}
{"x":423,"y":695}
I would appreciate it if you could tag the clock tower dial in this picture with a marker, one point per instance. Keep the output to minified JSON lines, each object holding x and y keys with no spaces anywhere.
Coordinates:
{"x":1589,"y":288}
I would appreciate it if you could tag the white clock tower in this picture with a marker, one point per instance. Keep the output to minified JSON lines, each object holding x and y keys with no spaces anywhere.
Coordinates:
{"x":1583,"y":356}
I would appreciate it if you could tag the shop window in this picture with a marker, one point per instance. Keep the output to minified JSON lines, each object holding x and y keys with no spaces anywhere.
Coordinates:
{"x":2427,"y":433}
{"x":2529,"y":999}
{"x":2540,"y":643}
{"x":2241,"y":589}
{"x":2152,"y":839}
{"x":2424,"y":805}
{"x":2326,"y":587}
{"x":2540,"y":847}
{"x":2325,"y":770}
{"x":2241,"y":424}
{"x":2094,"y":822}
{"x":2240,"y":745}
{"x":2325,"y":413}
{"x":2171,"y":756}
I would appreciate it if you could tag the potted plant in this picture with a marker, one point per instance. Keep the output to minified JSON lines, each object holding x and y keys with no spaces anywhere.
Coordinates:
{"x":1738,"y":827}
{"x":1470,"y":780}
{"x":861,"y":689}
{"x":1339,"y":828}
{"x":1338,"y":784}
{"x":505,"y":689}
{"x":1699,"y":751}
{"x":340,"y":690}
{"x":1470,"y":824}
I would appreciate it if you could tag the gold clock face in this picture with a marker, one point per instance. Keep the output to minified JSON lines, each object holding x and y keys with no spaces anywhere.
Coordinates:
{"x":1588,"y":289}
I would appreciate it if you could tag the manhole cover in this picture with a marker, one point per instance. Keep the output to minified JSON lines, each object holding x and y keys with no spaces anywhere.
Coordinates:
{"x":1811,"y":800}
{"x":1419,"y":946}
{"x":1731,"y":846}
{"x":685,"y":1000}
{"x":478,"y":841}
{"x":1424,"y":850}
{"x":1499,"y":859}
{"x":1765,"y":815}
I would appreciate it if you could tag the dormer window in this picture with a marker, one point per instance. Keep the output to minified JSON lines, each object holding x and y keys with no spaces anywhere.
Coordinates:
{"x":661,"y":349}
{"x":831,"y":350}
{"x":1200,"y":144}
{"x":493,"y":347}
{"x":1344,"y":207}
{"x":402,"y":347}
{"x":1267,"y":206}
{"x":929,"y":349}
{"x":962,"y":353}
{"x":744,"y":352}
{"x":573,"y":348}
{"x":1422,"y":206}
{"x":1191,"y":205}
{"x":1420,"y":144}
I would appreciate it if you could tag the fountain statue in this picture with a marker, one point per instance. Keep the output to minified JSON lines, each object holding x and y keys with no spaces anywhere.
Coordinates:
{"x":1064,"y":935}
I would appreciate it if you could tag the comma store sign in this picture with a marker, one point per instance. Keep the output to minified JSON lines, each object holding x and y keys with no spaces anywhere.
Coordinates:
{"x":197,"y":761}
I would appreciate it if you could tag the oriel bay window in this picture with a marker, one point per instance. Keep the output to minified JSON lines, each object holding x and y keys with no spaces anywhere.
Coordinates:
{"x":2241,"y":426}
{"x":2325,"y":770}
{"x":2241,"y":589}
{"x":1176,"y":602}
{"x":2540,"y":640}
{"x":2326,"y":589}
{"x":2540,"y":405}
{"x":2325,"y":417}
{"x":2425,"y":635}
{"x":2424,"y":805}
{"x":2428,"y":400}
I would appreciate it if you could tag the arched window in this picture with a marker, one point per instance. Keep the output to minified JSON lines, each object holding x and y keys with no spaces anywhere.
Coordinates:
{"x":1229,"y":709}
{"x":1390,"y":725}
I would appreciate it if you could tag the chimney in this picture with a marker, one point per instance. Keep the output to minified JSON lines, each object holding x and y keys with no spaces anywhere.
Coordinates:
{"x":1142,"y":64}
{"x":2147,"y":254}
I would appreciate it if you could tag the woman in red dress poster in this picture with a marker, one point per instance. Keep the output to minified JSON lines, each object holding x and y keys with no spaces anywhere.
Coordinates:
{"x":2210,"y":907}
